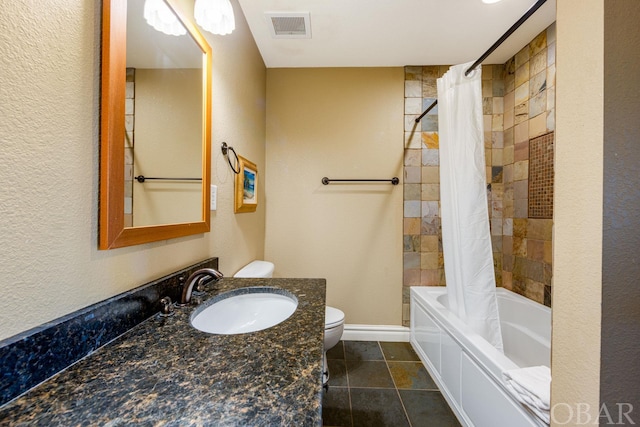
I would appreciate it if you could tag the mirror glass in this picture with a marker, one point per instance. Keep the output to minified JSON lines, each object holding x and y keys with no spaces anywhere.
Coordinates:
{"x":155,"y":136}
{"x":163,"y":122}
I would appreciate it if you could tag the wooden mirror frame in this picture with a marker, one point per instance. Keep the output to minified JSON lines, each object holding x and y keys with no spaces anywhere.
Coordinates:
{"x":113,"y":233}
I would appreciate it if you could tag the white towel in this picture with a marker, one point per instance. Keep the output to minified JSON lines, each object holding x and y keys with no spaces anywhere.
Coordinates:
{"x":532,"y":387}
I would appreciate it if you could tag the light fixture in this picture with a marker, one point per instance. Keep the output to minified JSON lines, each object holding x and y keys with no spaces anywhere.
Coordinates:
{"x":215,"y":16}
{"x":159,"y":16}
{"x":490,"y":1}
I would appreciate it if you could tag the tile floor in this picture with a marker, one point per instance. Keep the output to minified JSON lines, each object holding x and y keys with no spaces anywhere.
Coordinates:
{"x":378,"y":384}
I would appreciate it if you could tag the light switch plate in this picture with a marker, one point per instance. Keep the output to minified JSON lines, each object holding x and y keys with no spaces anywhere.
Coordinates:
{"x":214,"y":197}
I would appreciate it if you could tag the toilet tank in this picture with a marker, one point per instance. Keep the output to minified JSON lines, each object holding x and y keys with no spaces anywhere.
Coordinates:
{"x":256,"y":269}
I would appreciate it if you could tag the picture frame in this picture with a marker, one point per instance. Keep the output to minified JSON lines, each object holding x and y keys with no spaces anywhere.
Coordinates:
{"x":246,"y":198}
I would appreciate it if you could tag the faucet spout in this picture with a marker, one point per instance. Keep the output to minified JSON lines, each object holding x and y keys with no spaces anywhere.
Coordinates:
{"x":193,"y":279}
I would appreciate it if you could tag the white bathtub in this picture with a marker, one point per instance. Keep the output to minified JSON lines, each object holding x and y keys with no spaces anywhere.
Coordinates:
{"x":466,"y":368}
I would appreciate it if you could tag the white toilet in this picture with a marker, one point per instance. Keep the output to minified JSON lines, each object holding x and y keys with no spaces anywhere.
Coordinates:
{"x":333,"y":327}
{"x":333,"y":318}
{"x":256,"y":269}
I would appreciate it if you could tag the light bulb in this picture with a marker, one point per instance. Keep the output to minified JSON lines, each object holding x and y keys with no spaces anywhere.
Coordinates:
{"x":159,"y":16}
{"x":215,"y":16}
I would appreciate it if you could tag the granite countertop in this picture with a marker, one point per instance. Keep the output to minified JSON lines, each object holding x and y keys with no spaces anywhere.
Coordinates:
{"x":164,"y":372}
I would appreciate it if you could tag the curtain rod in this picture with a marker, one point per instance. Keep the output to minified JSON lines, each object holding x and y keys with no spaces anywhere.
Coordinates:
{"x":493,"y":47}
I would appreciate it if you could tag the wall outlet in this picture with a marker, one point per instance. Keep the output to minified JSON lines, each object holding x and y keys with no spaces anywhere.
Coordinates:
{"x":214,"y":197}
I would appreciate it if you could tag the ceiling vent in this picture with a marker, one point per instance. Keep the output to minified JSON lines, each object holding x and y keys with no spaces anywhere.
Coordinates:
{"x":289,"y":25}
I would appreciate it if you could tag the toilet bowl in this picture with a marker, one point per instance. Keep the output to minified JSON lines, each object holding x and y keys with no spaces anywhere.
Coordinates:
{"x":333,"y":318}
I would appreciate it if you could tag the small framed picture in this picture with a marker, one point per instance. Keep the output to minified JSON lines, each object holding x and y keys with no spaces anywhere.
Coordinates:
{"x":246,"y":187}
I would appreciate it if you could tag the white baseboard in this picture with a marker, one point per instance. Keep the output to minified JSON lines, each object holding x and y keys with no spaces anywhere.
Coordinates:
{"x":375,"y":333}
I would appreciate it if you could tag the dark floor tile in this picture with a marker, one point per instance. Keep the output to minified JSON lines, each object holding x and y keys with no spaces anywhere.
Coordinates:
{"x":336,"y":407}
{"x":337,"y":352}
{"x":377,"y":407}
{"x":399,"y":352}
{"x":337,"y":373}
{"x":382,"y":393}
{"x":411,"y":375}
{"x":362,"y":350}
{"x":364,"y":373}
{"x":428,"y":409}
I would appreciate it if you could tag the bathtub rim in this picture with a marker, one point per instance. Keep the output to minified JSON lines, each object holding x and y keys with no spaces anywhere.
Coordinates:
{"x":493,"y":362}
{"x":426,"y":298}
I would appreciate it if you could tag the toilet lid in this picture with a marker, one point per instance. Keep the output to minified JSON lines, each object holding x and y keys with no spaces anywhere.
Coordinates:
{"x":332,"y":317}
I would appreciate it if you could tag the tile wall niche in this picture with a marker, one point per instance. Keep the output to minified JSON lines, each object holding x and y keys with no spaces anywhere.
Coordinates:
{"x":518,"y":104}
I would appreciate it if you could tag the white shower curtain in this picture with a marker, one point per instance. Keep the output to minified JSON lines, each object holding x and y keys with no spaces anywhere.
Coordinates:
{"x":466,"y":239}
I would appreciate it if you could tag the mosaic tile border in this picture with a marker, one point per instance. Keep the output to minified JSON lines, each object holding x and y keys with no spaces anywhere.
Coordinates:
{"x":541,"y":176}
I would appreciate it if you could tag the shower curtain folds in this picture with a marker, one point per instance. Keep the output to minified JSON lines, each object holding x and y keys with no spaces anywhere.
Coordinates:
{"x":466,"y":239}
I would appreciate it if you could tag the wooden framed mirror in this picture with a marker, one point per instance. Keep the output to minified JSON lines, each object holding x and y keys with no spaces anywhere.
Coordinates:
{"x":155,"y":148}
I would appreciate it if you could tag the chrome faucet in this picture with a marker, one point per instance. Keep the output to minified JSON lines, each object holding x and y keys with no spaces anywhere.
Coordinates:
{"x":194,"y":278}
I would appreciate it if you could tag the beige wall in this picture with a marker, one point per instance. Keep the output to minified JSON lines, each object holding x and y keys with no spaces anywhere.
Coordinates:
{"x":239,"y":111}
{"x":168,"y":143}
{"x":339,"y":123}
{"x":49,"y":158}
{"x":577,"y":260}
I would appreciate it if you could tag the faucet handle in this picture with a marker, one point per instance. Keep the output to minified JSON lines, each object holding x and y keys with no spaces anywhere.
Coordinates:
{"x":200,"y":285}
{"x":167,"y":307}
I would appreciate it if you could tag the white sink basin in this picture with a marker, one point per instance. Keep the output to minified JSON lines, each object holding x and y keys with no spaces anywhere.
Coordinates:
{"x":244,"y":310}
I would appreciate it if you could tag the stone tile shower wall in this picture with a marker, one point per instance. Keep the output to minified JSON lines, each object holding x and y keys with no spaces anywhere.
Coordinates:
{"x":129,"y":122}
{"x":529,"y":106}
{"x":518,"y":104}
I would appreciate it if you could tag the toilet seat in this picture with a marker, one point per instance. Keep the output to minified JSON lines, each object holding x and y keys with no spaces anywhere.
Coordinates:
{"x":332,"y":317}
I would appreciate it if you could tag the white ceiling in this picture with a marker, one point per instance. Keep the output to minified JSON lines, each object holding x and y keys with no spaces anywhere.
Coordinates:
{"x":379,"y":33}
